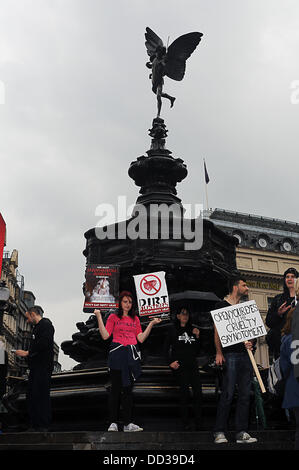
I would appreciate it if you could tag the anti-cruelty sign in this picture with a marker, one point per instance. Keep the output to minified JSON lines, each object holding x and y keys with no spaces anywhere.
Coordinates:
{"x":238,"y":323}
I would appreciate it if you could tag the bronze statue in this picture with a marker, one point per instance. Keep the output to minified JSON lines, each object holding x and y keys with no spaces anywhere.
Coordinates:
{"x":170,"y":62}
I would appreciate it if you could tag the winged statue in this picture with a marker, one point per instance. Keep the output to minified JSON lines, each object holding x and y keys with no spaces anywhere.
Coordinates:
{"x":169,"y":61}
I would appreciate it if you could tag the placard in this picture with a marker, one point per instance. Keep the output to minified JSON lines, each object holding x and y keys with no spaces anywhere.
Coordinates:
{"x":238,"y":323}
{"x":152,"y":294}
{"x":101,"y":287}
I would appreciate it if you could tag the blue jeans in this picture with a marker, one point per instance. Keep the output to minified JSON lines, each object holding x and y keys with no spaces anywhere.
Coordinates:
{"x":238,"y":371}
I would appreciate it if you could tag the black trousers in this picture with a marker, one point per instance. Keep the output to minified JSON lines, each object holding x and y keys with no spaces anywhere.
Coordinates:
{"x":120,"y":395}
{"x":296,"y":412}
{"x":38,"y":398}
{"x":185,"y":377}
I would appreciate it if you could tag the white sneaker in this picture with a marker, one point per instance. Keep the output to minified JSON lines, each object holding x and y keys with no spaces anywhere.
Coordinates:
{"x":132,"y":428}
{"x":220,"y":438}
{"x":245,"y":438}
{"x":113,"y":427}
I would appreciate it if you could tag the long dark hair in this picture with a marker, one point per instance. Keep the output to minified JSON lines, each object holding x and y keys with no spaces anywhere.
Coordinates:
{"x":177,"y":321}
{"x":131,"y":312}
{"x":287,"y":327}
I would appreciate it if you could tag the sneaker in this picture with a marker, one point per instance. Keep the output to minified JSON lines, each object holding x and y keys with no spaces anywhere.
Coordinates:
{"x":113,"y":427}
{"x":245,"y":438}
{"x":132,"y":428}
{"x":220,"y":438}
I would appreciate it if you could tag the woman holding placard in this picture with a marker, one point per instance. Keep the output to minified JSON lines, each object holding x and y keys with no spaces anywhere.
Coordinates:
{"x":124,"y":359}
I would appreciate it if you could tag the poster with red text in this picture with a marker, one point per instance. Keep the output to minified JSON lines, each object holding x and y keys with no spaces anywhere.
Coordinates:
{"x":101,"y":287}
{"x":152,"y":294}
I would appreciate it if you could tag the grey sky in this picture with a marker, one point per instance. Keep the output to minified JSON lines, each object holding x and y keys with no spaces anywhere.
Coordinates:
{"x":78,"y":105}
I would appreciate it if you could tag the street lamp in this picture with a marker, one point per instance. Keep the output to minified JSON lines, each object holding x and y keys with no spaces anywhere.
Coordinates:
{"x":4,"y":292}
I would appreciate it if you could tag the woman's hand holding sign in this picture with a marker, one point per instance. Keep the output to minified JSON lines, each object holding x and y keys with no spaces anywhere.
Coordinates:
{"x":142,"y":336}
{"x":97,"y":313}
{"x":104,"y":333}
{"x":155,"y":321}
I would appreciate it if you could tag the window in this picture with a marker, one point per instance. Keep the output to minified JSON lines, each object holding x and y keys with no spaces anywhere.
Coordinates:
{"x":239,"y":236}
{"x":287,"y":245}
{"x":263,"y":241}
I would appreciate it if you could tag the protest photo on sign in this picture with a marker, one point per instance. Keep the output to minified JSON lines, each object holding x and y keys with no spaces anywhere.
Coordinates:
{"x":101,"y":287}
{"x":238,"y":323}
{"x":152,"y":294}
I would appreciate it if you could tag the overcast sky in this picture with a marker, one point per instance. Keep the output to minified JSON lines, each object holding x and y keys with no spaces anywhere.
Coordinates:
{"x":78,"y":105}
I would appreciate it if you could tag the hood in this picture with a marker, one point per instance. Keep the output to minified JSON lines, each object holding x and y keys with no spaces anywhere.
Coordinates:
{"x":288,"y":271}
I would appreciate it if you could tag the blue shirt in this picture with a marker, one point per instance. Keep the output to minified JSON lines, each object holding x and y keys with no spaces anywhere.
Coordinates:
{"x":291,"y":393}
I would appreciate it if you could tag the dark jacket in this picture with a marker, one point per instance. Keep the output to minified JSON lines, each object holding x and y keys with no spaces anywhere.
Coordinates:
{"x":295,"y":335}
{"x":127,"y":359}
{"x":41,"y":350}
{"x":276,"y":322}
{"x":291,"y":393}
{"x":181,"y":345}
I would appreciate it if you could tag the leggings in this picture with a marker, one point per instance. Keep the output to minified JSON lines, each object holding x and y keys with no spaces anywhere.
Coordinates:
{"x":120,"y":395}
{"x":186,"y":376}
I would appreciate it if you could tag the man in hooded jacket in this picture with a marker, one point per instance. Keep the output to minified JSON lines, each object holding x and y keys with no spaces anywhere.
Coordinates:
{"x":278,"y":310}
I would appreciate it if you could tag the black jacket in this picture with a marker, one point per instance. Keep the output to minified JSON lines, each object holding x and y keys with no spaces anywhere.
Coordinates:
{"x":41,"y":350}
{"x":295,"y":337}
{"x":181,"y":345}
{"x":276,"y":322}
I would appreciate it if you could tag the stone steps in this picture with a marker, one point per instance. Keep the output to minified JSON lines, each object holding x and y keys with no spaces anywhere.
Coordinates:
{"x":154,"y":441}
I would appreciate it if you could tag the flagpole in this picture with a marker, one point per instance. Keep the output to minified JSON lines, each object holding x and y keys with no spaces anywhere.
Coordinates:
{"x":207,"y":179}
{"x":207,"y":197}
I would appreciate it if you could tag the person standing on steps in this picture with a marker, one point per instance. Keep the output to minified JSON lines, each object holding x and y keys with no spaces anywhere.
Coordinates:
{"x":181,"y":349}
{"x":40,"y":361}
{"x":237,"y":371}
{"x":278,"y":310}
{"x":124,"y":360}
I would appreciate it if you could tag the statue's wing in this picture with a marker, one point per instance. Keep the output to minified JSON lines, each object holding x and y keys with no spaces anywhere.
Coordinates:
{"x":152,"y":42}
{"x":178,"y":52}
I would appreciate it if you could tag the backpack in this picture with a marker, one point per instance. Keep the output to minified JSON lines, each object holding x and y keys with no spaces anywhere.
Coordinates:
{"x":276,"y":381}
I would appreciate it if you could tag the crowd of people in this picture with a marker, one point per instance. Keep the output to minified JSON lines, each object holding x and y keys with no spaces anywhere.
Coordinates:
{"x":181,"y":352}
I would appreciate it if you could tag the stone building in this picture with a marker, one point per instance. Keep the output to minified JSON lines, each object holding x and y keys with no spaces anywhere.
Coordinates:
{"x":266,"y":248}
{"x":15,"y":330}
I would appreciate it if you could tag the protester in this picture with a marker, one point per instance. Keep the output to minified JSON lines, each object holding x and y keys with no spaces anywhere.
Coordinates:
{"x":40,"y":362}
{"x":237,"y":370}
{"x":124,"y":358}
{"x":181,"y":348}
{"x":286,"y":361}
{"x":278,"y":310}
{"x":295,"y":325}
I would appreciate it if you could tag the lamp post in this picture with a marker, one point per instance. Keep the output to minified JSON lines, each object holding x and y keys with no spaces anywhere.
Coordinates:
{"x":4,"y":296}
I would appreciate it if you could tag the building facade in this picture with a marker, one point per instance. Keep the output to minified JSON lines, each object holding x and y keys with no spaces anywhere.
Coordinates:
{"x":266,"y":248}
{"x":16,"y":332}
